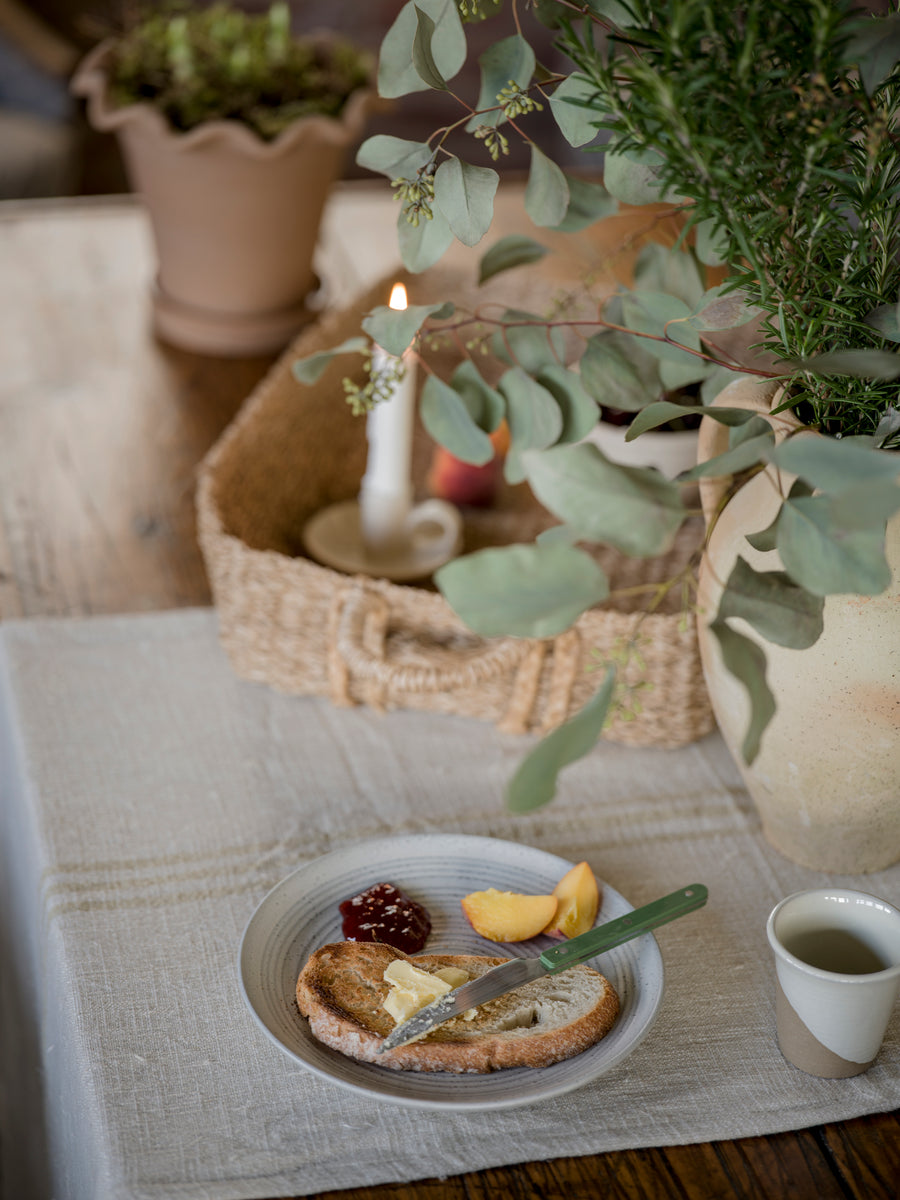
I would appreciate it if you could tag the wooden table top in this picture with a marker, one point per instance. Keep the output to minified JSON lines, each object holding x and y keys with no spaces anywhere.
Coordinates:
{"x":101,"y":431}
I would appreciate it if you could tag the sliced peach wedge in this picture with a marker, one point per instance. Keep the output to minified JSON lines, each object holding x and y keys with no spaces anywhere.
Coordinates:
{"x":578,"y":900}
{"x":508,"y":916}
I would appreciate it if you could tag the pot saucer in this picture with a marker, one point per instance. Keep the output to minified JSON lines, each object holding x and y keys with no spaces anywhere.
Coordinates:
{"x":230,"y":334}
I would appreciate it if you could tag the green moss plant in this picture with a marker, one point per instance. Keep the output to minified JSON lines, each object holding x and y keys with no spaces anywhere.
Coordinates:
{"x":219,"y":63}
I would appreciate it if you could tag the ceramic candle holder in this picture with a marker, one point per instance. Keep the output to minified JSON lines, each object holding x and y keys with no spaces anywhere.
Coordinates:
{"x":430,"y":534}
{"x":837,"y":961}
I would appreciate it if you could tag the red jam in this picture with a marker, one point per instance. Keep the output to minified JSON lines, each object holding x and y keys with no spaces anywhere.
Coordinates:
{"x":382,"y":913}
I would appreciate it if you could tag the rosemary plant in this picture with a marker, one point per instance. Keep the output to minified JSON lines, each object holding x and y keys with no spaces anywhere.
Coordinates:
{"x":787,"y":153}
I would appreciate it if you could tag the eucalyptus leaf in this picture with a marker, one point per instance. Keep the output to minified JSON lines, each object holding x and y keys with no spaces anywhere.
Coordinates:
{"x":392,"y":156}
{"x":511,"y":58}
{"x":535,"y":780}
{"x":397,"y":73}
{"x":665,"y":317}
{"x":866,"y":505}
{"x":588,"y":202}
{"x":747,"y":663}
{"x":659,"y":413}
{"x":522,"y":590}
{"x":485,"y":404}
{"x":422,"y":245}
{"x":834,"y":464}
{"x":756,"y":427}
{"x":717,"y":379}
{"x":422,"y":57}
{"x":886,"y":319}
{"x":766,"y":539}
{"x":394,"y":328}
{"x":618,"y":373}
{"x":722,"y":309}
{"x":526,"y":342}
{"x":711,"y":243}
{"x":572,"y":111}
{"x":826,"y":558}
{"x":751,"y":452}
{"x":557,"y":533}
{"x":465,"y":195}
{"x":579,"y":411}
{"x":611,"y":310}
{"x":616,"y":12}
{"x":312,"y":368}
{"x":447,"y":419}
{"x":533,"y":416}
{"x":674,"y":376}
{"x":875,"y":48}
{"x":859,"y":364}
{"x":672,"y":272}
{"x":774,"y":605}
{"x":632,"y":176}
{"x":664,"y":411}
{"x":547,"y":191}
{"x":514,"y":250}
{"x":632,"y":508}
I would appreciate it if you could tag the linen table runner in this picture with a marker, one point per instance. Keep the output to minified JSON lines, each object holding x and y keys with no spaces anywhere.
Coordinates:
{"x":149,"y":801}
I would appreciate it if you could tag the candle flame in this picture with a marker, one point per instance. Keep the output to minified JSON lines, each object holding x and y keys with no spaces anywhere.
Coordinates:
{"x":398,"y":296}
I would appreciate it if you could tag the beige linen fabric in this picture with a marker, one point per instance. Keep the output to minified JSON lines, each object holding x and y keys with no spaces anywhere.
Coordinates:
{"x":149,"y":800}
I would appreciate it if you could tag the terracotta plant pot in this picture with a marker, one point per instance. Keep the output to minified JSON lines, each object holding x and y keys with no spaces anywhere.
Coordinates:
{"x":235,"y":219}
{"x":826,"y":781}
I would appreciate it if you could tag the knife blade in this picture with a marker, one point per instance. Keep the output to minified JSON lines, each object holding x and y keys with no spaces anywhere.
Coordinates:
{"x":518,"y":971}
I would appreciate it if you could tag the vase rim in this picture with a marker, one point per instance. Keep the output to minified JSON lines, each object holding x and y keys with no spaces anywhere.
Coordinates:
{"x":90,"y":81}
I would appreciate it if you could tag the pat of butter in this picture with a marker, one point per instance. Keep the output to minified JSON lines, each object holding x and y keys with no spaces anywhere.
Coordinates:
{"x":455,"y":976}
{"x":412,"y":988}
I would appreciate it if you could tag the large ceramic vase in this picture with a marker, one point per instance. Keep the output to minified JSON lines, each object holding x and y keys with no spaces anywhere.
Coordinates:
{"x":234,"y":219}
{"x":826,"y":781}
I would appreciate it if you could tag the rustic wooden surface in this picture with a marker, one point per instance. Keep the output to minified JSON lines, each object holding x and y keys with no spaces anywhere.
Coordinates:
{"x":101,"y":430}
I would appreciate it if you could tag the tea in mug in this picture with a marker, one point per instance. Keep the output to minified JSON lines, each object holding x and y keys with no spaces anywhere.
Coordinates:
{"x":835,"y":950}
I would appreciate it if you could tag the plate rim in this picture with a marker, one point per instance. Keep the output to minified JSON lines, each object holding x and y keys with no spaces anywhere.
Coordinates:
{"x":422,"y":1102}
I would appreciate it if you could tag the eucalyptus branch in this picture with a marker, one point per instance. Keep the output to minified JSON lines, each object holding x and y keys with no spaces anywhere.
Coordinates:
{"x":774,"y":128}
{"x":577,"y":323}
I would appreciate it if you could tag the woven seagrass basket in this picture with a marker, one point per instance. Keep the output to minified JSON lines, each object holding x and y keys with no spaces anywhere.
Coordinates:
{"x":306,"y":629}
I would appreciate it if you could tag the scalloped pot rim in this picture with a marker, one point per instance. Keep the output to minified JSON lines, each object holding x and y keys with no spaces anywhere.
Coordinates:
{"x":90,"y":81}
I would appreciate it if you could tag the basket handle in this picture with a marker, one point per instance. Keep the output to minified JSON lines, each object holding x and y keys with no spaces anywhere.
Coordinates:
{"x":361,"y":642}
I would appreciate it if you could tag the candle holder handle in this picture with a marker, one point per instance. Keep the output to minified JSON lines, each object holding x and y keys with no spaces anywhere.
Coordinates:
{"x":435,"y":525}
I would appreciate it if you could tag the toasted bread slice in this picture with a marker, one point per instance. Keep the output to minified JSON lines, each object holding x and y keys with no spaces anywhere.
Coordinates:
{"x":341,"y":990}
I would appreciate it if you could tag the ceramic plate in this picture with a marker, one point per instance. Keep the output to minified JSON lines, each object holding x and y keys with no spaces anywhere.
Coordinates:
{"x":301,"y":914}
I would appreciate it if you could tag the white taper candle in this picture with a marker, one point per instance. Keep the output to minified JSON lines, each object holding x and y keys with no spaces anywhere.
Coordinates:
{"x":386,"y":495}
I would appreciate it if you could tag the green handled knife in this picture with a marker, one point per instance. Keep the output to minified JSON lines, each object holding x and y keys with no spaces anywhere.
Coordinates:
{"x":518,"y":971}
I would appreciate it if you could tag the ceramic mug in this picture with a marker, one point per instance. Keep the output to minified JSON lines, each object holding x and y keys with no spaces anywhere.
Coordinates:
{"x":837,"y":962}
